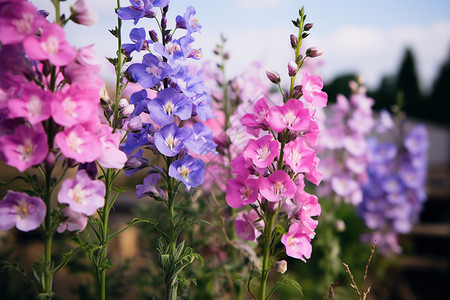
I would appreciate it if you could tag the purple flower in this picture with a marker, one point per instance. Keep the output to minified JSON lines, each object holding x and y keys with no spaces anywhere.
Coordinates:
{"x":167,"y":104}
{"x":201,"y":140}
{"x":82,"y":194}
{"x":416,"y":142}
{"x":140,"y":102}
{"x":140,"y":9}
{"x":137,"y":36}
{"x":188,"y":21}
{"x":179,"y":49}
{"x":135,"y":163}
{"x":136,"y":140}
{"x":169,"y":140}
{"x":149,"y":186}
{"x":20,"y":210}
{"x":190,"y":85}
{"x":189,"y":171}
{"x":151,"y":71}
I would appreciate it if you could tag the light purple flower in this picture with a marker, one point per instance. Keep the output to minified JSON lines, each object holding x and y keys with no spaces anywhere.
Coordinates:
{"x":189,"y":171}
{"x":169,"y":140}
{"x":167,"y":104}
{"x":201,"y":140}
{"x":149,"y":186}
{"x":75,"y":221}
{"x":20,"y":210}
{"x":82,"y":194}
{"x":188,"y":21}
{"x":151,"y":71}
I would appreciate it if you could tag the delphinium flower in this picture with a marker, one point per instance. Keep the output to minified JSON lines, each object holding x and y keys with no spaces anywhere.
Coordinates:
{"x":271,"y":170}
{"x":49,"y":120}
{"x":343,"y":146}
{"x":394,"y":194}
{"x":170,"y":108}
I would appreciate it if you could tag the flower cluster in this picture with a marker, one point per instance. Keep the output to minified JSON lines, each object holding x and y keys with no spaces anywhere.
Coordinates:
{"x":49,"y":98}
{"x":170,"y":96}
{"x":270,"y":172}
{"x":394,"y":194}
{"x":343,"y":146}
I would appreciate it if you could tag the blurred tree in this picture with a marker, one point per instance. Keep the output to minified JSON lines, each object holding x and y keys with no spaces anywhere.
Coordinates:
{"x":439,"y":99}
{"x":339,"y":85}
{"x":408,"y":84}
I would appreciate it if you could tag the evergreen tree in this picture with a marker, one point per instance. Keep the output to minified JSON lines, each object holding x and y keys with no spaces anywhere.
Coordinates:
{"x":439,"y":100}
{"x":408,"y":85}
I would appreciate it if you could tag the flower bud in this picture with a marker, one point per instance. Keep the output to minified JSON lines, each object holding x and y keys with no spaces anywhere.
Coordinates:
{"x":314,"y":52}
{"x":281,"y":266}
{"x":82,"y":14}
{"x":273,"y":76}
{"x":153,"y":36}
{"x":44,"y":13}
{"x":294,"y":41}
{"x":123,"y":103}
{"x":292,"y":68}
{"x":128,"y":110}
{"x":297,"y":92}
{"x":91,"y":169}
{"x":135,"y":124}
{"x":308,"y":26}
{"x":305,"y":35}
{"x":164,"y":22}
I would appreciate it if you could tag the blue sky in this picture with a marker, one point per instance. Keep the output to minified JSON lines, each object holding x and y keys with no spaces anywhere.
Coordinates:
{"x":366,"y":36}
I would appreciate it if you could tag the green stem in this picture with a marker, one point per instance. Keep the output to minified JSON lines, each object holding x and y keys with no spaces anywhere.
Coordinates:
{"x":48,"y":236}
{"x":104,"y":233}
{"x":297,"y":52}
{"x":266,"y":256}
{"x":118,"y":70}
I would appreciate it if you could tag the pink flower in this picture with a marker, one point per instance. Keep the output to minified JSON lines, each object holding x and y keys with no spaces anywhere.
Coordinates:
{"x":82,"y":14}
{"x":51,"y":45}
{"x":74,"y":106}
{"x":262,"y":151}
{"x":241,"y":191}
{"x":258,"y":120}
{"x":34,"y":105}
{"x":298,"y":156}
{"x":20,"y":210}
{"x":75,"y":221}
{"x":83,"y":195}
{"x":25,"y":148}
{"x":79,"y":143}
{"x":315,"y":175}
{"x":312,"y":90}
{"x":297,"y":243}
{"x":309,"y":207}
{"x":291,"y":115}
{"x":18,"y":19}
{"x":111,"y":156}
{"x":245,"y":226}
{"x":276,"y":186}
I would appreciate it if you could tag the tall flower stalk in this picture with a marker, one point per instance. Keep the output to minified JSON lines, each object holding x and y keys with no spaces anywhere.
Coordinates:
{"x":52,"y":91}
{"x":167,"y":119}
{"x":270,"y":171}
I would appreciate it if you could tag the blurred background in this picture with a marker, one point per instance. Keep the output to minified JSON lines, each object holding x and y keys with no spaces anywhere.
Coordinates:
{"x":391,"y":45}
